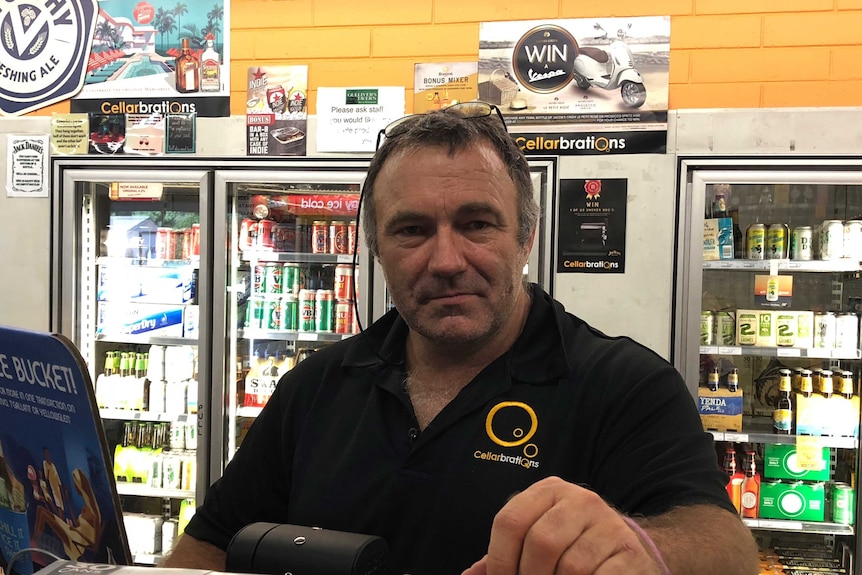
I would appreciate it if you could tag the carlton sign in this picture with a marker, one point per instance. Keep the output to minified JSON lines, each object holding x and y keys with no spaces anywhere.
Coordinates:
{"x":45,"y":47}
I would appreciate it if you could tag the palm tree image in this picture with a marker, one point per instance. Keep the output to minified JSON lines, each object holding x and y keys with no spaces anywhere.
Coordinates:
{"x":164,"y":23}
{"x":178,"y":11}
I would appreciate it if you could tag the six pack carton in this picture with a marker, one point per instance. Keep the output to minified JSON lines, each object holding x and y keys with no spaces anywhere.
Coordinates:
{"x":720,"y":410}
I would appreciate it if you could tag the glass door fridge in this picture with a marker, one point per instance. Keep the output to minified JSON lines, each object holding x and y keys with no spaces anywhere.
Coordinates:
{"x":768,"y":298}
{"x":130,"y":278}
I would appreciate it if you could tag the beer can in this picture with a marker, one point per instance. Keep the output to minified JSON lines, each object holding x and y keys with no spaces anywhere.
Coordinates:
{"x":274,"y":277}
{"x":343,"y":282}
{"x":255,"y":312}
{"x":187,"y":244}
{"x":290,"y":312}
{"x":272,"y":316}
{"x":772,"y":286}
{"x":323,"y":310}
{"x":853,"y":239}
{"x":343,"y":316}
{"x":338,"y":240}
{"x":725,"y":327}
{"x":765,"y":328}
{"x":258,"y":279}
{"x":801,"y":244}
{"x":843,"y":504}
{"x":306,"y":304}
{"x":175,"y":249}
{"x":777,"y":241}
{"x":284,"y":237}
{"x":707,"y":327}
{"x":247,"y":234}
{"x":755,"y":241}
{"x":824,"y":330}
{"x":163,"y":243}
{"x":264,"y":234}
{"x":746,"y":327}
{"x":351,"y":237}
{"x":303,"y":235}
{"x":785,"y":328}
{"x":831,"y":240}
{"x":319,"y":237}
{"x":805,"y":329}
{"x":847,"y":331}
{"x":290,"y":279}
{"x":196,"y":240}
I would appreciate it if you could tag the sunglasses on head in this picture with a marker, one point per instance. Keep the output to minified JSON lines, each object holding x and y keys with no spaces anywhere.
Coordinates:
{"x":468,"y":110}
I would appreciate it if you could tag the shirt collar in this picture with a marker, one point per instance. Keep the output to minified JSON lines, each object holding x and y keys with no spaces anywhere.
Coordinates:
{"x":538,"y":355}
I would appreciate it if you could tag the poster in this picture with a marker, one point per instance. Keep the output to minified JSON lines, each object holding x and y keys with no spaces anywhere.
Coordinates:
{"x":69,"y":133}
{"x":350,"y":119}
{"x":132,"y":65}
{"x":580,"y":86}
{"x":438,"y":85}
{"x":27,"y":166}
{"x":592,"y":226}
{"x":56,"y":492}
{"x":276,"y":110}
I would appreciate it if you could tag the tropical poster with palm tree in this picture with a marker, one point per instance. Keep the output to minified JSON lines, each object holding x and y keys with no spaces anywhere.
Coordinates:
{"x":138,"y":43}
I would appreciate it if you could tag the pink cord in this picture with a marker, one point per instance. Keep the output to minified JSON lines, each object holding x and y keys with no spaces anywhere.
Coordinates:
{"x":650,"y":543}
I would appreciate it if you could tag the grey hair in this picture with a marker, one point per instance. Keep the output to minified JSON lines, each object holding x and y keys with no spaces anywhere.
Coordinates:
{"x":439,"y":128}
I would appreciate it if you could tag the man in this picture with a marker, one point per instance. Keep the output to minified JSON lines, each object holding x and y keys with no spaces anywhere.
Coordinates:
{"x":479,"y":428}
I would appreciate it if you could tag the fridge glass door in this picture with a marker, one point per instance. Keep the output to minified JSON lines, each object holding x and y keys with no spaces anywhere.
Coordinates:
{"x":128,"y":284}
{"x":290,"y":279}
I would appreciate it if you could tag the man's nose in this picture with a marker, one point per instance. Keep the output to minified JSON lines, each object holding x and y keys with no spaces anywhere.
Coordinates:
{"x":447,"y":253}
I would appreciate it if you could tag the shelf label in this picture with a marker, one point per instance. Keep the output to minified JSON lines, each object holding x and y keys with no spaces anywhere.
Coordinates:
{"x":344,"y":259}
{"x":788,"y":352}
{"x":307,"y":336}
{"x":783,"y":525}
{"x":708,"y":350}
{"x":730,"y":351}
{"x":736,"y":437}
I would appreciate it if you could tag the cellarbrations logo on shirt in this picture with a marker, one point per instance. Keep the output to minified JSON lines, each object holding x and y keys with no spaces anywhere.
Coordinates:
{"x":45,"y":50}
{"x":511,"y":425}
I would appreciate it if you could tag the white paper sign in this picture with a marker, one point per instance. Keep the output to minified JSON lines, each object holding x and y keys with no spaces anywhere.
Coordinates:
{"x":27,"y":166}
{"x":349,"y":119}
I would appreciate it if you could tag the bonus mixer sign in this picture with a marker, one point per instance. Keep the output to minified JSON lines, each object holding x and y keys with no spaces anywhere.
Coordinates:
{"x":598,"y":75}
{"x":45,"y":45}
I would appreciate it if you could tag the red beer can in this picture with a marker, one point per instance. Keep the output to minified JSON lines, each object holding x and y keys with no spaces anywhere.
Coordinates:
{"x":187,"y":244}
{"x":351,"y":237}
{"x":284,"y":237}
{"x":338,"y":240}
{"x":248,"y":234}
{"x":163,"y":243}
{"x":276,"y":98}
{"x":319,"y":237}
{"x":176,"y":248}
{"x":264,"y":234}
{"x":344,"y":316}
{"x":196,"y":240}
{"x":343,"y":282}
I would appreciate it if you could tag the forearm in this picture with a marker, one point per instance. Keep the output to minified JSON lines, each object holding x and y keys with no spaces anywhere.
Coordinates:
{"x":193,"y":553}
{"x":703,"y":540}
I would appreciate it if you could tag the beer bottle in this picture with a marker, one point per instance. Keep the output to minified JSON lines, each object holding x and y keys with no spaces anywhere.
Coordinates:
{"x":730,"y":461}
{"x":733,"y":380}
{"x":712,"y":380}
{"x":806,"y":387}
{"x":846,"y":386}
{"x":826,"y":387}
{"x":750,"y":487}
{"x":782,"y":417}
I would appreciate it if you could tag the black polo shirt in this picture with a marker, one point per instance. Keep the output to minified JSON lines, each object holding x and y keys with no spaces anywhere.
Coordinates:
{"x":338,"y":446}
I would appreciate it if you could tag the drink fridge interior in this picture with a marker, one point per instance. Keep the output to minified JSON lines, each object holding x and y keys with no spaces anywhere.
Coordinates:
{"x":772,"y":344}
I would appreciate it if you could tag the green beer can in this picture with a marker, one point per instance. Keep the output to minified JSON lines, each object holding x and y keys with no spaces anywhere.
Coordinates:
{"x":323,"y":310}
{"x":843,"y":504}
{"x":290,"y":312}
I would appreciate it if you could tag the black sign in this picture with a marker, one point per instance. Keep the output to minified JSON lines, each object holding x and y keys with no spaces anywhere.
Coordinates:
{"x":209,"y":107}
{"x":592,"y":143}
{"x":592,"y":224}
{"x":544,"y":58}
{"x":180,"y":134}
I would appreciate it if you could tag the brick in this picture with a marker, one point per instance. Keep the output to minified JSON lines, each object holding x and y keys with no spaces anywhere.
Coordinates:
{"x":257,"y":14}
{"x":815,"y":94}
{"x":426,"y":41}
{"x":312,"y":43}
{"x":759,"y":64}
{"x":371,"y":12}
{"x":812,"y":29}
{"x":605,"y":9}
{"x":242,"y":44}
{"x":746,"y":95}
{"x":848,"y":4}
{"x":679,"y":67}
{"x":715,"y":31}
{"x":846,"y":63}
{"x":362,"y":72}
{"x":760,"y":6}
{"x":449,"y":11}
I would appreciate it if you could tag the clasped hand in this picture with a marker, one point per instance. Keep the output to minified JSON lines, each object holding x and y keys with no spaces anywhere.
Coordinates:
{"x":556,"y":527}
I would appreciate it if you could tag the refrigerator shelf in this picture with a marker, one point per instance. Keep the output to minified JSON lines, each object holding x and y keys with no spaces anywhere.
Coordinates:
{"x":146,"y":263}
{"x":139,"y":490}
{"x":146,"y":340}
{"x":800,"y":526}
{"x":293,"y":335}
{"x":149,"y":559}
{"x":248,"y":411}
{"x":759,"y":430}
{"x":130,"y":415}
{"x":842,"y":265}
{"x":816,"y":352}
{"x":296,"y":257}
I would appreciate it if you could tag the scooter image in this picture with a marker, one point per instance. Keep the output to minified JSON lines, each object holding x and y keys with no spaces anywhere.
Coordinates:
{"x":610,"y":69}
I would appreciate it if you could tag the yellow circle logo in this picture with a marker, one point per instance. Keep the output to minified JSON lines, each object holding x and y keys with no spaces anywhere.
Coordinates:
{"x":518,"y":433}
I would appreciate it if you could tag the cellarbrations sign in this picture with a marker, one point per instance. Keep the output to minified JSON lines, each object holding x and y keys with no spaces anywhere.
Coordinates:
{"x":45,"y":46}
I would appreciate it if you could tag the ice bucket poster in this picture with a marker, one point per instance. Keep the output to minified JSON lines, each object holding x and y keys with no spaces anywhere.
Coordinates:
{"x":56,"y":493}
{"x":600,"y":71}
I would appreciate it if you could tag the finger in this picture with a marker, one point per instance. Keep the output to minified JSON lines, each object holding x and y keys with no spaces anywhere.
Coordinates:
{"x":604,"y":544}
{"x":477,"y":568}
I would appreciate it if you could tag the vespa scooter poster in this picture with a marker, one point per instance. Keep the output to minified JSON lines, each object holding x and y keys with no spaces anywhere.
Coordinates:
{"x":602,"y":75}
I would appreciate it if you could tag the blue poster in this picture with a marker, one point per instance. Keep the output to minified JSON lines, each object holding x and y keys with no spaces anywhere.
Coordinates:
{"x":56,"y":491}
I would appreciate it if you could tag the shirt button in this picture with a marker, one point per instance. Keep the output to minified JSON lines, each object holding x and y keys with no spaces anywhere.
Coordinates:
{"x":413,"y":434}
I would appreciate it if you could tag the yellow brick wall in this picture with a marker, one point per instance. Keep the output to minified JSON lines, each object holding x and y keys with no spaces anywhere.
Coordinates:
{"x":724,"y":53}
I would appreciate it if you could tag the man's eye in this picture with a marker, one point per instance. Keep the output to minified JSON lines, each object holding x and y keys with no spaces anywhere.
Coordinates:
{"x":478,"y":225}
{"x":410,"y":231}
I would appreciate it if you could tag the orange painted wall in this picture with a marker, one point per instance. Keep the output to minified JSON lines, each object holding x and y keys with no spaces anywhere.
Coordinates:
{"x":724,"y":53}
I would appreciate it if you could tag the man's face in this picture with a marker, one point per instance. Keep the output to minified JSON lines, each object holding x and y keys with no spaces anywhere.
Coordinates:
{"x":447,"y":232}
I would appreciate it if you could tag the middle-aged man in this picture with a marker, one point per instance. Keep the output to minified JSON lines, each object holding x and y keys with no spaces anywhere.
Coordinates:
{"x":478,"y":428}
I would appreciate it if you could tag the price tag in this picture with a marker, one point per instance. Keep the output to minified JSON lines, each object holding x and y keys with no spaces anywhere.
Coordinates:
{"x":729,"y":351}
{"x":137,"y":415}
{"x":307,"y":336}
{"x":789,"y":352}
{"x":726,"y":265}
{"x":784,"y":525}
{"x":736,"y":437}
{"x":809,"y":452}
{"x":708,"y":350}
{"x":344,"y":259}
